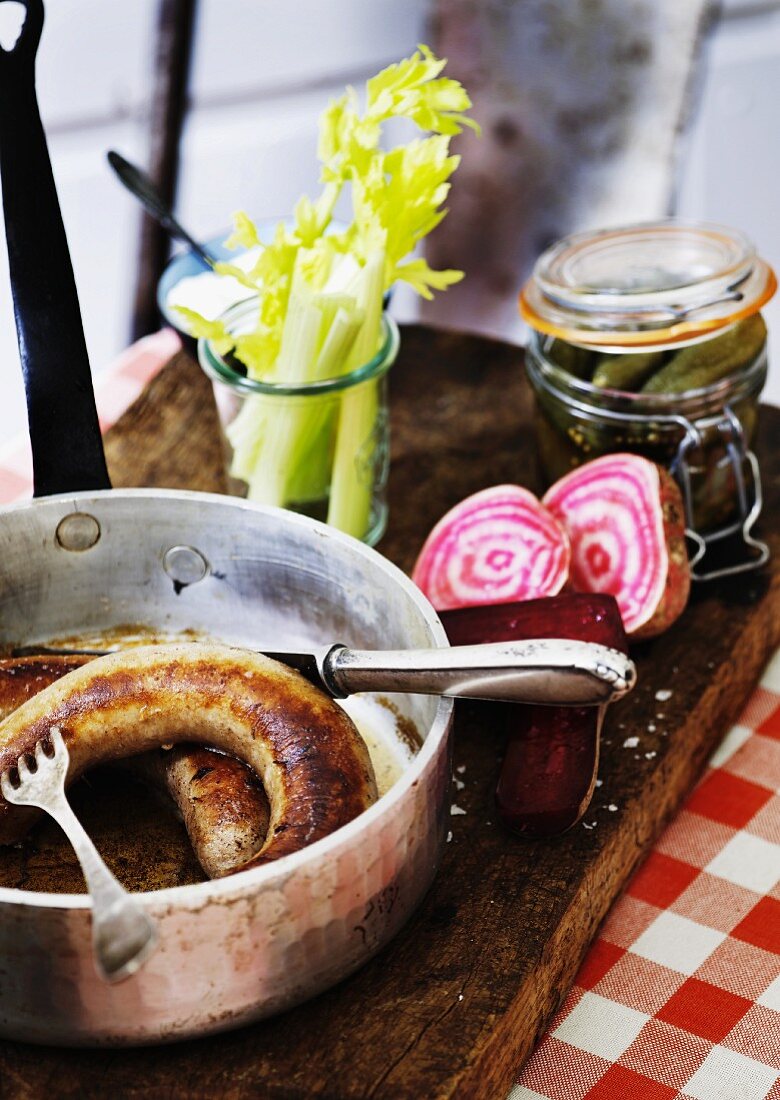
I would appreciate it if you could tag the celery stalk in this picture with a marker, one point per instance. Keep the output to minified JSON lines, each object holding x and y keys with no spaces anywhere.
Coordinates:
{"x":283,"y":439}
{"x":337,"y":346}
{"x":291,"y":463}
{"x":245,"y":435}
{"x":310,"y":479}
{"x":352,"y":482}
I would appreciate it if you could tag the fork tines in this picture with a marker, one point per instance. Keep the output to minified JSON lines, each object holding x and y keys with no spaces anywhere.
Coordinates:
{"x":15,"y":779}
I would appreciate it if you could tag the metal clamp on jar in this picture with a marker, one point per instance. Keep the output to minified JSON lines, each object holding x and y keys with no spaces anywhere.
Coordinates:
{"x":648,"y":338}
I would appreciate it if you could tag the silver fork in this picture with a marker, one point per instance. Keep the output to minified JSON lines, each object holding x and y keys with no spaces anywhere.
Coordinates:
{"x":123,"y":933}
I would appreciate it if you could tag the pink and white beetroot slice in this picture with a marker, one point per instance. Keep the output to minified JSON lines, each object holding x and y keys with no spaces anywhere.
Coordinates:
{"x":625,"y":520}
{"x":496,"y":546}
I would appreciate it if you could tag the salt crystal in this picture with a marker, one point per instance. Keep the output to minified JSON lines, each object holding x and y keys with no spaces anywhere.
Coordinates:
{"x":449,"y":837}
{"x":651,"y":728}
{"x":455,"y":810}
{"x":663,"y":695}
{"x":585,"y":825}
{"x":459,"y":784}
{"x":612,"y":807}
{"x":650,"y":755}
{"x":599,"y":782}
{"x":460,"y":996}
{"x":460,"y":769}
{"x":630,"y":742}
{"x":660,"y":716}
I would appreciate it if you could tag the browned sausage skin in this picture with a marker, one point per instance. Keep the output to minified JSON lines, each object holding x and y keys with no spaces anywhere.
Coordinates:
{"x":23,"y":677}
{"x":313,"y":764}
{"x":222,"y":804}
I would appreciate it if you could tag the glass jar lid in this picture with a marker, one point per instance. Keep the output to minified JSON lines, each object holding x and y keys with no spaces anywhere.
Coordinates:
{"x":653,"y":283}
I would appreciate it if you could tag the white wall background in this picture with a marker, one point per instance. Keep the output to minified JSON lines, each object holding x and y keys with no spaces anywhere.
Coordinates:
{"x":262,"y":72}
{"x":731,"y":167}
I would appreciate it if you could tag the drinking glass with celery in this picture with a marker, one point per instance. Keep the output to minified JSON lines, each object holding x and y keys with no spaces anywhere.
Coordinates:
{"x":320,"y":289}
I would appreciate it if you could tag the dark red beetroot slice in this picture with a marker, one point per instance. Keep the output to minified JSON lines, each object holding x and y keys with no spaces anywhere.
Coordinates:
{"x":552,"y":754}
{"x":549,"y":770}
{"x":496,"y":546}
{"x":587,"y":617}
{"x":625,"y":520}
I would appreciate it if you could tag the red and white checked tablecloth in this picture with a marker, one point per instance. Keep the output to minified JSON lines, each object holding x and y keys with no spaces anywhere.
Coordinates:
{"x":679,"y":997}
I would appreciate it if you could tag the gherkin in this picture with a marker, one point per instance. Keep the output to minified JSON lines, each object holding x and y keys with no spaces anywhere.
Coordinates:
{"x":573,"y":359}
{"x":700,"y":365}
{"x":626,"y":372}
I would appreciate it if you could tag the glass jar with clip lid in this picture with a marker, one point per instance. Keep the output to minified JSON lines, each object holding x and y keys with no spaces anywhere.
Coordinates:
{"x":649,"y":338}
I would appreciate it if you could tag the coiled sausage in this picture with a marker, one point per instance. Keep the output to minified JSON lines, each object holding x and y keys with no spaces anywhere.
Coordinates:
{"x":312,"y":762}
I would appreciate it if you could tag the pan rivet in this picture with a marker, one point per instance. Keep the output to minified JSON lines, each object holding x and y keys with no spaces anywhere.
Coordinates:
{"x":185,"y":565}
{"x":78,"y":531}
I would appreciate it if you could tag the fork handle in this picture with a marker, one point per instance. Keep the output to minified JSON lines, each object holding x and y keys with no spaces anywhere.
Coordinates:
{"x":123,"y":933}
{"x":536,"y":670}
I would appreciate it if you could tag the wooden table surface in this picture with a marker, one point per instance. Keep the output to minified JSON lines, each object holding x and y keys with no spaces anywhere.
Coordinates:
{"x":453,"y":1006}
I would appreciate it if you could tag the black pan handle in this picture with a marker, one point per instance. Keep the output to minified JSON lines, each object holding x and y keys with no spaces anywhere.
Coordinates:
{"x":66,"y":444}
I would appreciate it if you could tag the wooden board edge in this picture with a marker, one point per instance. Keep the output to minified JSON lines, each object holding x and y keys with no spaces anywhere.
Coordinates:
{"x":500,"y":1056}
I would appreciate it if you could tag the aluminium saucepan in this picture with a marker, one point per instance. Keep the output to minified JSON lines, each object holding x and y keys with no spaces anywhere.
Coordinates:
{"x":83,"y":560}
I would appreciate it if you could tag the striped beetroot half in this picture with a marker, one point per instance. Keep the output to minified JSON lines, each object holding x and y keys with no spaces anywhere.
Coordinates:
{"x":496,"y":546}
{"x":624,"y":518}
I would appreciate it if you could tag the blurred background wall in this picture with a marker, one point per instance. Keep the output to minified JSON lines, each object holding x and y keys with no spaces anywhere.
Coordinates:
{"x":582,"y":106}
{"x":592,"y":113}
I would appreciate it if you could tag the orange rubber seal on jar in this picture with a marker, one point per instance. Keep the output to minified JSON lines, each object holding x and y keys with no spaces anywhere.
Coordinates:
{"x":681,"y":332}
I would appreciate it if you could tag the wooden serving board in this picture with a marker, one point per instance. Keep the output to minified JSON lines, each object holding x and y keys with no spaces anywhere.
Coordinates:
{"x":453,"y":1006}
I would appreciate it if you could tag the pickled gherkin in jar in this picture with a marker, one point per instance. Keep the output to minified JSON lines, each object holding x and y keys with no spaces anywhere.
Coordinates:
{"x":579,"y":419}
{"x":627,"y":372}
{"x":701,"y":365}
{"x":577,"y":361}
{"x":689,"y":368}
